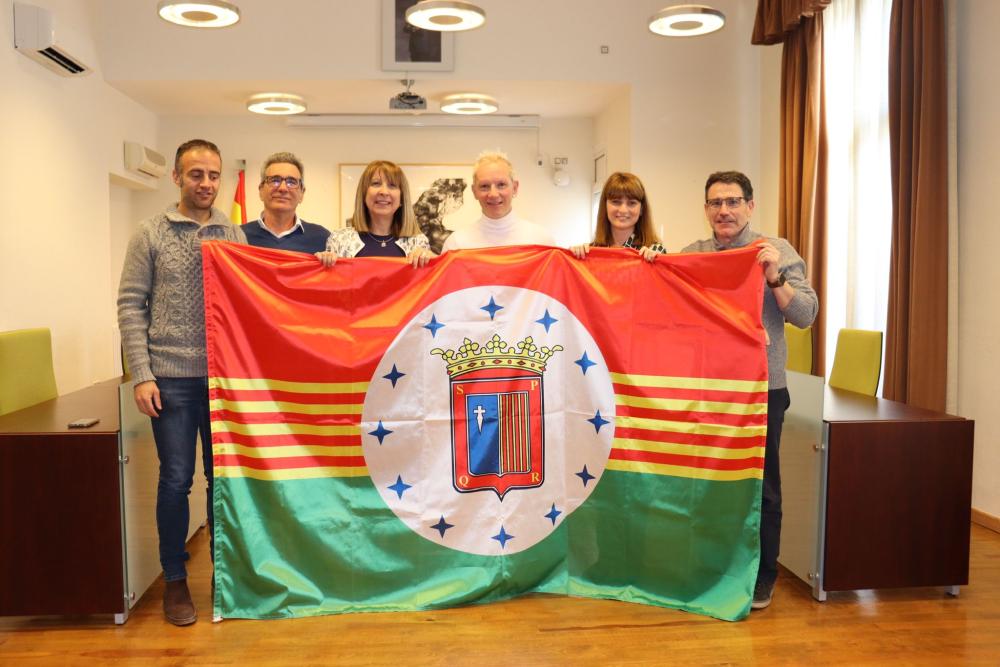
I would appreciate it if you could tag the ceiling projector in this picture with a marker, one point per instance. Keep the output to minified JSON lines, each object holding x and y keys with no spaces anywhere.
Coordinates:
{"x":406,"y":100}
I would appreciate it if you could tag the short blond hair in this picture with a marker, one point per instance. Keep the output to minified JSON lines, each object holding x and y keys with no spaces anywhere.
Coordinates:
{"x":493,"y":157}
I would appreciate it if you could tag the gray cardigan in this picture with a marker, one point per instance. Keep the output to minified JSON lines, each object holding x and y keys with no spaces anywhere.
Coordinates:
{"x":161,"y":311}
{"x":801,"y":310}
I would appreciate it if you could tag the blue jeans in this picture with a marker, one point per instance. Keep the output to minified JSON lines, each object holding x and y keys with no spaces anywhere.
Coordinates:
{"x":770,"y":502}
{"x":185,"y":414}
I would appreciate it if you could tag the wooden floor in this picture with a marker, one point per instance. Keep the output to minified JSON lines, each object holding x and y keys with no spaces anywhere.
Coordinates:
{"x":905,"y":627}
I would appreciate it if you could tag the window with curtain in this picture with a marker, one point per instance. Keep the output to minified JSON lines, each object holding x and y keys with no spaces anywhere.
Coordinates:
{"x":859,"y":199}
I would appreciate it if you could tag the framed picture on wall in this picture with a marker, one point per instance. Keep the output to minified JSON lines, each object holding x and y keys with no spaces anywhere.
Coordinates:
{"x":441,"y":195}
{"x":409,"y":49}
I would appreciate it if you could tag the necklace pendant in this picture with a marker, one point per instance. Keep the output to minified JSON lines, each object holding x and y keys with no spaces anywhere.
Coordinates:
{"x":383,"y":244}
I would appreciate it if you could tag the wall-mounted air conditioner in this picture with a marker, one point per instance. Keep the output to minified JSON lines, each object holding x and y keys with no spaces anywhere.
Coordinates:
{"x":35,"y":37}
{"x":143,"y":160}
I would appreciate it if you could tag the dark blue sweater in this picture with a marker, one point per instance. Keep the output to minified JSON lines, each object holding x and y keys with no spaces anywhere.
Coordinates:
{"x":310,"y":238}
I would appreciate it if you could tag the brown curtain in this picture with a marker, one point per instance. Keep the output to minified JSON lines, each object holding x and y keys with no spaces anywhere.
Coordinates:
{"x":916,"y":350}
{"x":798,"y":24}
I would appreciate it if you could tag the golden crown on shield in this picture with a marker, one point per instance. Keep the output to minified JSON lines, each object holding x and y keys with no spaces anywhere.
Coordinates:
{"x":496,"y":353}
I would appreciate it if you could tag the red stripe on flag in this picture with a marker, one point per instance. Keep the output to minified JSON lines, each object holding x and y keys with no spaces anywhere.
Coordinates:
{"x":287,"y":396}
{"x":265,"y":441}
{"x":721,"y":418}
{"x":285,"y":418}
{"x":289,"y":462}
{"x":719,"y":395}
{"x":696,"y":439}
{"x":687,"y":461}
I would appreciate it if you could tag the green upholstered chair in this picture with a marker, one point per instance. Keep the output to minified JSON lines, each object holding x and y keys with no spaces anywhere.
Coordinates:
{"x":26,"y":375}
{"x":800,"y":348}
{"x":857,"y":363}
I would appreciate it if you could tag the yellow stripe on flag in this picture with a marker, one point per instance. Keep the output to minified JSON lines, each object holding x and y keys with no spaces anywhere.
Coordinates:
{"x":280,"y":428}
{"x":666,"y":382}
{"x":285,"y":406}
{"x":684,"y":471}
{"x":290,"y":473}
{"x":284,"y":451}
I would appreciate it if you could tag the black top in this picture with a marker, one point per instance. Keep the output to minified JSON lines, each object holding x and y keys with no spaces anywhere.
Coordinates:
{"x":379,"y":246}
{"x":309,"y":238}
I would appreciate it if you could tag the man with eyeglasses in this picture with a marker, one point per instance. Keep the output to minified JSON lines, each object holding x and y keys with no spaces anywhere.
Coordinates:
{"x":282,"y":187}
{"x":789,"y":297}
{"x":161,"y":316}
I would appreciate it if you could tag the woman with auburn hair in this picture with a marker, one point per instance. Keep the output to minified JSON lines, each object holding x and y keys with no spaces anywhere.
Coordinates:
{"x":383,"y":224}
{"x":624,"y":219}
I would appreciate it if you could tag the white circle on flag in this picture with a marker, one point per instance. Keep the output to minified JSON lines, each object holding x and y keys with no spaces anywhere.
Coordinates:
{"x":486,"y":484}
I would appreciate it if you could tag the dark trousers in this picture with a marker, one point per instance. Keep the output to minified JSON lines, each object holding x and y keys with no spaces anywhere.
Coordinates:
{"x":770,"y":501}
{"x":184,"y":416}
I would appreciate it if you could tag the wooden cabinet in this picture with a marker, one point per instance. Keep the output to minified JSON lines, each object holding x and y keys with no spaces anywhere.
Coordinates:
{"x":77,"y":506}
{"x":877,"y":494}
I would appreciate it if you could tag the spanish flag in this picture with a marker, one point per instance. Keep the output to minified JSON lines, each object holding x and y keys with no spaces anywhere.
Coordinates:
{"x":499,"y":422}
{"x":238,"y":214}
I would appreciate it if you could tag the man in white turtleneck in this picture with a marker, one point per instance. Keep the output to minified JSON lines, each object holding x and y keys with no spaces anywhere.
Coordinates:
{"x":495,"y":186}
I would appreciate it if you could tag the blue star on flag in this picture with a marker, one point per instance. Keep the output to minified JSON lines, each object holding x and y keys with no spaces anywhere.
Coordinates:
{"x":553,"y":513}
{"x":585,"y":475}
{"x":598,"y":422}
{"x":584,"y":363}
{"x":546,"y":320}
{"x":492,"y":308}
{"x":441,"y":526}
{"x":400,"y":486}
{"x":433,"y":326}
{"x":380,"y":432}
{"x":502,"y":537}
{"x":393,"y":375}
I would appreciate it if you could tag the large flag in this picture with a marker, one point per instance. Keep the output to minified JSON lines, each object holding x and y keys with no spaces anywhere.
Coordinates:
{"x":238,"y":214}
{"x":499,"y":422}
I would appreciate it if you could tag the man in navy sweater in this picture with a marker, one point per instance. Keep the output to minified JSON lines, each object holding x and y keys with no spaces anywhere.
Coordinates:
{"x":282,"y":188}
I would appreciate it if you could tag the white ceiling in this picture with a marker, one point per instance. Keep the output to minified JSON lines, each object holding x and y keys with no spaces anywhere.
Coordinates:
{"x":222,"y":98}
{"x":539,"y":57}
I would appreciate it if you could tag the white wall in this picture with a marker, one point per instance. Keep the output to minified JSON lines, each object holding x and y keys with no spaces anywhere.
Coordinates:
{"x":565,"y":210}
{"x":979,"y":271}
{"x":613,"y":133}
{"x":61,"y":139}
{"x":693,"y":104}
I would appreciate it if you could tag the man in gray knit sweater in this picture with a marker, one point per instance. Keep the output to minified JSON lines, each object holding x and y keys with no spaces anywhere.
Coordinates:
{"x":161,"y":317}
{"x":789,"y":297}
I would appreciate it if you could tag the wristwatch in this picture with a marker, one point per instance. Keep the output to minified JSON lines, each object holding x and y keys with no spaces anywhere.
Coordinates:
{"x":779,"y":282}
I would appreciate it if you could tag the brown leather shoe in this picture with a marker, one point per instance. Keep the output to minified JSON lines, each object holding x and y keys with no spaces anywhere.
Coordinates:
{"x":178,"y":606}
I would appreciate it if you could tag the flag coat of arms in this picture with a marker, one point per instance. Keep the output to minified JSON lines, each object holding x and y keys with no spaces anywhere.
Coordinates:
{"x":499,"y":422}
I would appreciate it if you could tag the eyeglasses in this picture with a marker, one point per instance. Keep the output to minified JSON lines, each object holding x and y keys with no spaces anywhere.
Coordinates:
{"x":275,"y":182}
{"x":730,"y":202}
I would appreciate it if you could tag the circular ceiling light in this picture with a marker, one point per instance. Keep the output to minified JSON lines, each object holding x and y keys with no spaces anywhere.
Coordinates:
{"x":276,"y":104}
{"x":445,"y":15}
{"x":469,"y":104}
{"x":199,"y":14}
{"x":686,"y":21}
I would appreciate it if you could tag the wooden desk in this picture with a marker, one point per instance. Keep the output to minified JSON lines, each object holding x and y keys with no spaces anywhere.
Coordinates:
{"x":78,"y":506}
{"x":899,"y":494}
{"x":877,"y":494}
{"x":60,"y":507}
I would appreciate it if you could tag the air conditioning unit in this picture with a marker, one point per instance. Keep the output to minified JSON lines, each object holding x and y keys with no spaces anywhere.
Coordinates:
{"x":144,"y":160}
{"x":35,"y":37}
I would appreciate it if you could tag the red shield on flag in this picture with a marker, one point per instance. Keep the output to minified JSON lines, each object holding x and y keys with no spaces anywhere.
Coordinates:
{"x":497,"y":430}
